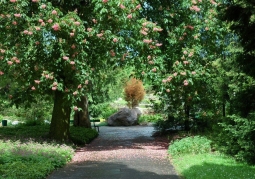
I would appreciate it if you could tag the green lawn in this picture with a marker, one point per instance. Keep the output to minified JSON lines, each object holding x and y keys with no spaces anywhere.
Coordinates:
{"x":211,"y":166}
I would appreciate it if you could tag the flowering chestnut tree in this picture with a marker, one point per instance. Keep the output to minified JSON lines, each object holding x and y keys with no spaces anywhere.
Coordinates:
{"x":47,"y":48}
{"x":192,"y":38}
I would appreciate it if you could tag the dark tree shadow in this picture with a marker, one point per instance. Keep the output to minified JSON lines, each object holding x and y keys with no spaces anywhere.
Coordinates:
{"x":112,"y":170}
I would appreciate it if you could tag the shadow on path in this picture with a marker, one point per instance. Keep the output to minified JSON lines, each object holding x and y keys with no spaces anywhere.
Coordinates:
{"x":121,"y":153}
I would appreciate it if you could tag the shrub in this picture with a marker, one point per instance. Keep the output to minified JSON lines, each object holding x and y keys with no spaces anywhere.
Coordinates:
{"x":134,"y":92}
{"x":81,"y":135}
{"x":237,"y":137}
{"x":31,"y":160}
{"x":102,"y":110}
{"x":154,"y":118}
{"x":190,"y":145}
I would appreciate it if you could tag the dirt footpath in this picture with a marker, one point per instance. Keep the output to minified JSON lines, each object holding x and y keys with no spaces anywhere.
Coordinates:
{"x":121,"y":153}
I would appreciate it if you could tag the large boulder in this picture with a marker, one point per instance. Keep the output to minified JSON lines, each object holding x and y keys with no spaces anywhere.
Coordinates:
{"x":124,"y":117}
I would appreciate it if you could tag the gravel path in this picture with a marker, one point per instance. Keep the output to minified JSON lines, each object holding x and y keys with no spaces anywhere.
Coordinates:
{"x":121,"y":153}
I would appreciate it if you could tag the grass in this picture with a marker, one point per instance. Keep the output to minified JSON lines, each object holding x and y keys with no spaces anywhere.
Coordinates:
{"x":211,"y":166}
{"x":193,"y":159}
{"x":25,"y":154}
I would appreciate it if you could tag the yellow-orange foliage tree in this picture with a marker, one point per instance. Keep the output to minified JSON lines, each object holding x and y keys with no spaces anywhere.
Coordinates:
{"x":134,"y":92}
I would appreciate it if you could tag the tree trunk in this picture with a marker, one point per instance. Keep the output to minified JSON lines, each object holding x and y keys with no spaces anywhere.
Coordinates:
{"x":186,"y":122}
{"x":60,"y":122}
{"x":81,"y":118}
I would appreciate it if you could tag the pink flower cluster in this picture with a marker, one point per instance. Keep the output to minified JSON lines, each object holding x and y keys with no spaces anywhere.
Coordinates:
{"x":56,"y":27}
{"x":195,"y":8}
{"x":1,"y":73}
{"x":54,"y":86}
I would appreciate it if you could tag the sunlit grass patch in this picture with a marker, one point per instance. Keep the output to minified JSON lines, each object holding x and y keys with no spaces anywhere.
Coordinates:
{"x":212,"y":166}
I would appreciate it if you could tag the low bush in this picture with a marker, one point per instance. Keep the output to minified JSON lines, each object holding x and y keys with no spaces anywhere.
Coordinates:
{"x":190,"y":145}
{"x":81,"y":135}
{"x":31,"y":160}
{"x":102,"y":110}
{"x":153,"y":118}
{"x":237,"y":138}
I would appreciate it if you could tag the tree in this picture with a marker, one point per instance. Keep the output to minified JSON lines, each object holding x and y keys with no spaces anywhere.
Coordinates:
{"x":191,"y":39}
{"x":134,"y":92}
{"x":47,"y":48}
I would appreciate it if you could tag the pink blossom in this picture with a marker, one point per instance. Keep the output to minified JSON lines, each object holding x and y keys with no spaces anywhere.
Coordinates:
{"x":9,"y":62}
{"x":100,"y":35}
{"x":1,"y":73}
{"x":185,"y":83}
{"x":194,"y":2}
{"x":33,"y":88}
{"x":185,"y":62}
{"x":50,"y":21}
{"x":73,"y":46}
{"x":56,"y":27}
{"x":138,"y":6}
{"x":158,"y":44}
{"x":17,"y":15}
{"x":75,"y":108}
{"x":147,"y":41}
{"x":185,"y":52}
{"x":191,"y":54}
{"x":40,"y":20}
{"x":112,"y":53}
{"x":77,"y":23}
{"x":168,"y":90}
{"x":72,"y":62}
{"x":65,"y":58}
{"x":149,"y":57}
{"x":193,"y":72}
{"x":14,"y":23}
{"x":30,"y":33}
{"x":151,"y":62}
{"x":89,"y":29}
{"x":75,"y":93}
{"x":115,"y":40}
{"x":37,"y":28}
{"x":35,"y":0}
{"x":143,"y":32}
{"x":195,"y":8}
{"x":213,"y":2}
{"x":25,"y":31}
{"x":175,"y":74}
{"x":122,"y":6}
{"x":94,"y":21}
{"x":169,"y":78}
{"x":105,"y":1}
{"x":143,"y":73}
{"x":2,"y":50}
{"x":71,"y":34}
{"x":17,"y":61}
{"x":79,"y":86}
{"x":164,"y":81}
{"x":86,"y":82}
{"x":54,"y":88}
{"x":43,"y":6}
{"x":129,"y":16}
{"x":176,"y":62}
{"x":155,"y":29}
{"x":54,"y":12}
{"x":37,"y":81}
{"x":37,"y":42}
{"x":206,"y":28}
{"x":183,"y":73}
{"x":55,"y":83}
{"x":154,"y":69}
{"x":181,"y":38}
{"x":13,"y":0}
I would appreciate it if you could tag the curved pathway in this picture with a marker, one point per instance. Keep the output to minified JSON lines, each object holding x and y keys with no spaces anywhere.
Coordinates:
{"x":120,"y":153}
